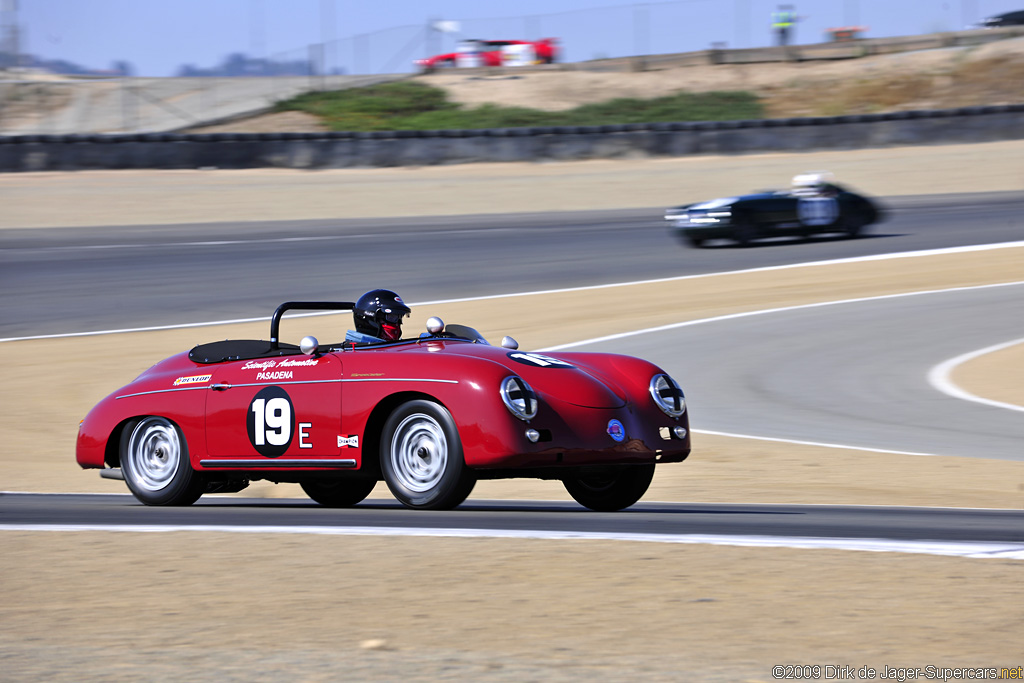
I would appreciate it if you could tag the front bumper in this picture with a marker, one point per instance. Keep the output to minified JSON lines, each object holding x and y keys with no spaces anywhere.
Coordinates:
{"x":584,"y":437}
{"x":703,"y":228}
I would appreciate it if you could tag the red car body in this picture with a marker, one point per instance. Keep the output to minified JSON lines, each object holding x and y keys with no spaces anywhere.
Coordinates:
{"x":216,"y":417}
{"x":491,"y":53}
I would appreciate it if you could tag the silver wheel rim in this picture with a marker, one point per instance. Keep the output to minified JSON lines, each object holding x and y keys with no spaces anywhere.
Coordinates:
{"x":154,"y":454}
{"x":419,"y":453}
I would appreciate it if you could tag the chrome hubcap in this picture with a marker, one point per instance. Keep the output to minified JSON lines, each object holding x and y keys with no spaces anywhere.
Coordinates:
{"x":154,"y":453}
{"x":419,"y":453}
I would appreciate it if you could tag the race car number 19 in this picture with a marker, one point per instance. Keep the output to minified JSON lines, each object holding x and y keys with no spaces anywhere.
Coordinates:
{"x":271,"y":422}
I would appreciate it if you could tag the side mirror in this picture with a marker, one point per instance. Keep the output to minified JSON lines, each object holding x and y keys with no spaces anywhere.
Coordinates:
{"x":509,"y":343}
{"x":309,"y":345}
{"x":435,"y":325}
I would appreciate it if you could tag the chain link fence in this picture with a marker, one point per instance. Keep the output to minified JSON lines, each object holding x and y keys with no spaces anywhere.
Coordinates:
{"x":244,"y":84}
{"x":137,"y":105}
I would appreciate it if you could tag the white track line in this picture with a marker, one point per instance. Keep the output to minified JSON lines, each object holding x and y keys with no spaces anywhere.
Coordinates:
{"x":940,"y":377}
{"x":987,"y":550}
{"x":1014,"y":551}
{"x":809,"y":264}
{"x":818,"y":444}
{"x":949,"y":388}
{"x":768,"y":311}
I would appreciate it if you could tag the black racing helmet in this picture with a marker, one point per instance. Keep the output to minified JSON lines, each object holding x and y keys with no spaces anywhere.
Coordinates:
{"x":379,"y":313}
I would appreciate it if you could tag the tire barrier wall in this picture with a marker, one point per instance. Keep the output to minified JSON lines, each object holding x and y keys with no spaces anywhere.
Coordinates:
{"x":424,"y":148}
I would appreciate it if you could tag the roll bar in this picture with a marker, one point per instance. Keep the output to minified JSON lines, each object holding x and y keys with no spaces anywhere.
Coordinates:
{"x":275,"y":320}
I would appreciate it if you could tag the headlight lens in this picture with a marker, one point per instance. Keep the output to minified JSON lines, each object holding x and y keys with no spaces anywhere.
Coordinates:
{"x":519,"y":398}
{"x":667,"y":394}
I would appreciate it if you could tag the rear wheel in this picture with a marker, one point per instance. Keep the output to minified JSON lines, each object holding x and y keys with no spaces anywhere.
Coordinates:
{"x":154,"y":462}
{"x":421,"y":457}
{"x":339,"y":493}
{"x":852,"y":226}
{"x":612,"y":491}
{"x":744,"y":232}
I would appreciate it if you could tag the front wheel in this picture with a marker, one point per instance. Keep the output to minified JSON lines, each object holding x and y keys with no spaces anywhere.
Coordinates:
{"x":339,"y":493}
{"x":154,"y":462}
{"x":421,"y":457}
{"x":612,"y":491}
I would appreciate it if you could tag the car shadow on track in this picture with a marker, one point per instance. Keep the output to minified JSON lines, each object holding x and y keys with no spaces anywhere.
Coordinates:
{"x":510,"y":506}
{"x":791,"y":241}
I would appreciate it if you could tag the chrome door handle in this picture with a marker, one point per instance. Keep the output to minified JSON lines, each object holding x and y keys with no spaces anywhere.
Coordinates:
{"x":220,"y":387}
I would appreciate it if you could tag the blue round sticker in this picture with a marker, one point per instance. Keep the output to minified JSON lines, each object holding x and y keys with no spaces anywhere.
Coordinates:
{"x":616,"y":430}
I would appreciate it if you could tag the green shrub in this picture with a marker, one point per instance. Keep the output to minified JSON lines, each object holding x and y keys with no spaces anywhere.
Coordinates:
{"x":406,"y":105}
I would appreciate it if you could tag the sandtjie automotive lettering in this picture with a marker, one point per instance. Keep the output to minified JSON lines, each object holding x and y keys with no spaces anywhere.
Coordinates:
{"x":283,"y":363}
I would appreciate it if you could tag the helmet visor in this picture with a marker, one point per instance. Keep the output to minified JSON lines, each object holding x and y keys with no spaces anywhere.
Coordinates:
{"x":390,"y":317}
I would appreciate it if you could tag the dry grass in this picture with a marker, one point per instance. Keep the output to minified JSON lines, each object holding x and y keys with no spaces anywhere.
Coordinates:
{"x":962,"y":83}
{"x":927,"y":79}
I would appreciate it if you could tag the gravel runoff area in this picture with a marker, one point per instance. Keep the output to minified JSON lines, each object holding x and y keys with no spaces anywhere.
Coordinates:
{"x":160,"y":606}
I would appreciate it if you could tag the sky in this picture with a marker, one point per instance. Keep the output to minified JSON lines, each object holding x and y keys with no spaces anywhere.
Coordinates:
{"x":385,"y":36}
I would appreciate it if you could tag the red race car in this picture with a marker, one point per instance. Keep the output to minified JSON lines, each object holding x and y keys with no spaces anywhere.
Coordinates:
{"x":430,"y":416}
{"x":476,"y":53}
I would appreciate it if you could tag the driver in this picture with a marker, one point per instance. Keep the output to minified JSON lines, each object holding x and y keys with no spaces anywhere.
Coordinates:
{"x":378,"y":317}
{"x":814,"y":184}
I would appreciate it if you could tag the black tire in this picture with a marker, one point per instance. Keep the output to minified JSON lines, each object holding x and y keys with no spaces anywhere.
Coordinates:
{"x":612,"y":491}
{"x":696,"y":242}
{"x":852,"y":226}
{"x":421,"y":457}
{"x":339,"y":493}
{"x":155,"y":465}
{"x":744,"y":232}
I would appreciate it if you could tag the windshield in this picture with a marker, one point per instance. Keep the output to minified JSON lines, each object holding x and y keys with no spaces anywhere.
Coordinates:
{"x":464,"y":332}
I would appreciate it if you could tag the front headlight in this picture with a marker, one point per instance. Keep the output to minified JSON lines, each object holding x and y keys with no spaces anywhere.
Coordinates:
{"x":519,"y":398}
{"x":667,"y":395}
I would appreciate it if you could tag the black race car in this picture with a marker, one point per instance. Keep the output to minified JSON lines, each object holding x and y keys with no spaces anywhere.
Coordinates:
{"x":1015,"y":18}
{"x":814,"y":204}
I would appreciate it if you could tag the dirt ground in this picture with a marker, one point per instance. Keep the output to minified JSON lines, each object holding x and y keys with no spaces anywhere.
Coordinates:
{"x":925,"y":79}
{"x":160,"y":606}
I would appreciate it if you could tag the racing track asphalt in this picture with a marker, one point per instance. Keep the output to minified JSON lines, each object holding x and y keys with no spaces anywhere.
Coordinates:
{"x":644,"y":521}
{"x":58,"y":280}
{"x":852,"y":374}
{"x":132,"y":277}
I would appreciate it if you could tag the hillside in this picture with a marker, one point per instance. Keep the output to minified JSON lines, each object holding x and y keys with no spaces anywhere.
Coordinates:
{"x":928,"y":79}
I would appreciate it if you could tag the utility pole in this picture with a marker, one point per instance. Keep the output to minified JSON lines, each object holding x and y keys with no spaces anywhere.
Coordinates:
{"x":257,"y":39}
{"x":10,"y":48}
{"x":742,"y":37}
{"x":641,"y":29}
{"x":970,"y":12}
{"x":327,"y":34}
{"x":852,"y":17}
